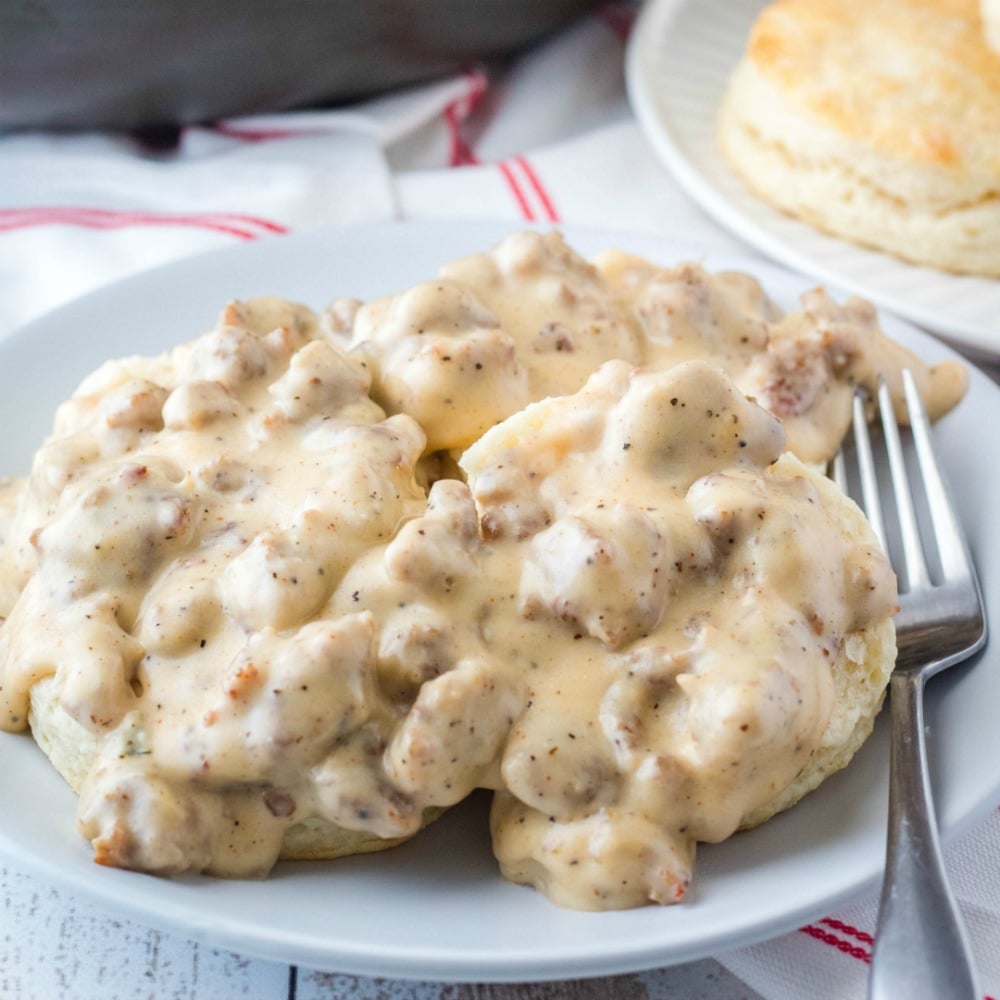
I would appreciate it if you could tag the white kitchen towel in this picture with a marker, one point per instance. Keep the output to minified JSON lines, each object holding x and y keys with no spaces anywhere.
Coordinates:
{"x":829,"y":958}
{"x":549,"y":139}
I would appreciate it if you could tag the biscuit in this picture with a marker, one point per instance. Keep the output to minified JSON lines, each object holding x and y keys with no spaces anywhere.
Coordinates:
{"x":72,"y":751}
{"x":860,"y":671}
{"x":878,"y":122}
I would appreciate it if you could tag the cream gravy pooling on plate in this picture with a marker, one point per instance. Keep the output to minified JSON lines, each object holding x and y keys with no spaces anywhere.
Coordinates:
{"x":250,"y":616}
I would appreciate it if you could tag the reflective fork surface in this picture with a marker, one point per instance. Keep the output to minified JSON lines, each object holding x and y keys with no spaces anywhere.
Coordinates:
{"x":921,"y":947}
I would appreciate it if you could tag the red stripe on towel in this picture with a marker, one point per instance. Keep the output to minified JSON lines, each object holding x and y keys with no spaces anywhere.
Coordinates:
{"x":548,"y":208}
{"x":825,"y":937}
{"x":619,"y":17}
{"x":258,"y":134}
{"x":854,"y":932}
{"x":461,"y":153}
{"x":246,"y":227}
{"x":855,"y":951}
{"x":515,"y":187}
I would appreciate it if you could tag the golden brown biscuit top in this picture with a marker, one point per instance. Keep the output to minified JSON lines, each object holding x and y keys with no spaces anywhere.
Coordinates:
{"x":915,"y":79}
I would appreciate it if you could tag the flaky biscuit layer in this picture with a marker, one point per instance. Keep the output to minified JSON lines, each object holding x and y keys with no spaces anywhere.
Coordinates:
{"x":879,"y":124}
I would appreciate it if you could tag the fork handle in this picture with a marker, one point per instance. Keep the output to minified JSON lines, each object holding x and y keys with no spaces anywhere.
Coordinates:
{"x":921,"y":948}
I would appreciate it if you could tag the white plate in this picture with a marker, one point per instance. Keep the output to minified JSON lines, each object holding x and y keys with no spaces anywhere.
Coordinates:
{"x":679,"y":60}
{"x":436,"y":908}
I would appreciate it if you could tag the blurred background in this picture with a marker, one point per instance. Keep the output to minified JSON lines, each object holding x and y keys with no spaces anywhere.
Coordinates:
{"x":107,"y":63}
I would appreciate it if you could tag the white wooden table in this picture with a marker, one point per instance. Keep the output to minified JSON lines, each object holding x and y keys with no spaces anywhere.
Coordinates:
{"x":54,"y":946}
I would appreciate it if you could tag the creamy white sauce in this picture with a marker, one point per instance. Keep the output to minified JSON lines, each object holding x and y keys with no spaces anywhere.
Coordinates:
{"x":229,"y":561}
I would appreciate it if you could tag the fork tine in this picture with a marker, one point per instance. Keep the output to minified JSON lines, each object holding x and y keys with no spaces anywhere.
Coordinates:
{"x":866,"y":469}
{"x":914,"y":569}
{"x":947,"y":530}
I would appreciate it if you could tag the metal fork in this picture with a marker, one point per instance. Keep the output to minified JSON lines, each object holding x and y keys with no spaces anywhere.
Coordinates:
{"x":921,"y":947}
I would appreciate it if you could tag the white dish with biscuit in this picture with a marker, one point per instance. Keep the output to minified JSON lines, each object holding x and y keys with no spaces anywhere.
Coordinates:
{"x":681,"y":57}
{"x":437,"y":907}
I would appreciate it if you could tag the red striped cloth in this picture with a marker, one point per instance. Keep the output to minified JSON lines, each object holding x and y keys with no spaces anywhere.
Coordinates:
{"x":829,"y":958}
